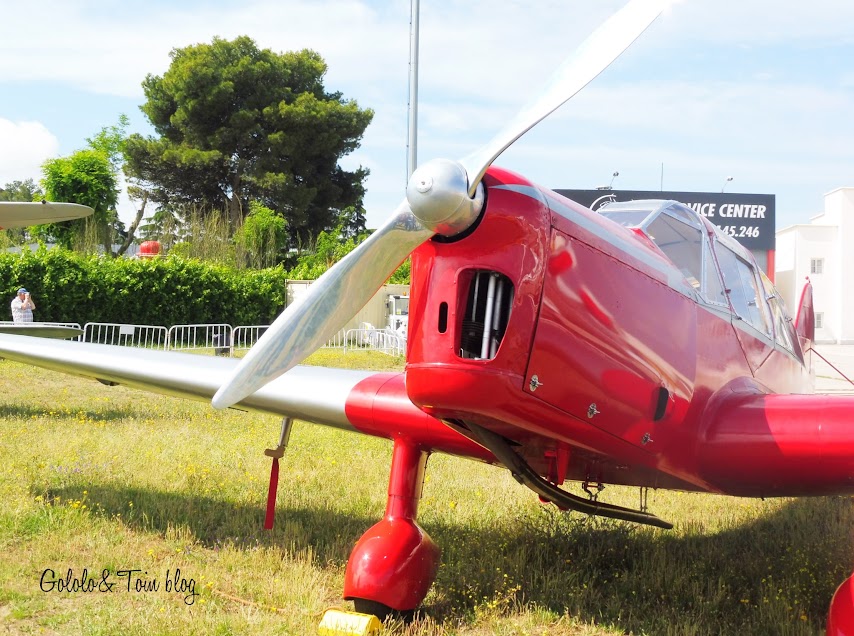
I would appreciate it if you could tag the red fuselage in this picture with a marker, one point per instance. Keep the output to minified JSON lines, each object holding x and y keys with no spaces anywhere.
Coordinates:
{"x":604,"y":364}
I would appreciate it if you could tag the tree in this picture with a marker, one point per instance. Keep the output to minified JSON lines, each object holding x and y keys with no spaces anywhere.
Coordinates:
{"x":328,"y":250}
{"x":23,"y":191}
{"x":351,"y":221}
{"x":402,"y":275}
{"x":263,"y":236}
{"x":238,"y":123}
{"x":86,"y":177}
{"x":111,"y":141}
{"x":330,"y":247}
{"x":162,"y":226}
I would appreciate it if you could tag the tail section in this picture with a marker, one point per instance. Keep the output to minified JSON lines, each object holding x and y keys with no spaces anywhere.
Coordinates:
{"x":805,"y":320}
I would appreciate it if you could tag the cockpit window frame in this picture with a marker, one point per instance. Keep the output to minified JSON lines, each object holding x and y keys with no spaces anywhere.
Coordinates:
{"x":763,"y":319}
{"x":711,"y":268}
{"x":681,"y":242}
{"x":746,"y":280}
{"x":680,"y":213}
{"x":630,"y":206}
{"x":785,"y":334}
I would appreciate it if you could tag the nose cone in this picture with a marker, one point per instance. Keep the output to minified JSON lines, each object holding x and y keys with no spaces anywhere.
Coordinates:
{"x":438,"y":195}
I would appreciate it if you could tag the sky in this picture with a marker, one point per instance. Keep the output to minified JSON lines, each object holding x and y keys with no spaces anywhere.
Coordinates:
{"x":760,"y":91}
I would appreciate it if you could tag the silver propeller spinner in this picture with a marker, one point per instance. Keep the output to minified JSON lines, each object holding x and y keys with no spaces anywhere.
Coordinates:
{"x":443,"y":197}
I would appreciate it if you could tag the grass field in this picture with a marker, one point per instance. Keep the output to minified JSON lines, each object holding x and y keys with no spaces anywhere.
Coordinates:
{"x":113,"y":479}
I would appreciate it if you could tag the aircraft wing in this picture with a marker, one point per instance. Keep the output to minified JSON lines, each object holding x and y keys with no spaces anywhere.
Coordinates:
{"x":361,"y":401}
{"x":767,"y":445}
{"x":40,"y":330}
{"x":15,"y":214}
{"x":190,"y":376}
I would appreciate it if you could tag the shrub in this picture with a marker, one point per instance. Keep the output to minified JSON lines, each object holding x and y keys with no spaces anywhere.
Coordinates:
{"x":70,"y":287}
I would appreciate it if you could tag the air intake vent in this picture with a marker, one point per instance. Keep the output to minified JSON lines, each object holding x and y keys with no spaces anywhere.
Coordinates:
{"x":486,"y":315}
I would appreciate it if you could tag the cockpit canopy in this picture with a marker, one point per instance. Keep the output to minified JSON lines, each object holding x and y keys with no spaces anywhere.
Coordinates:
{"x":731,"y":280}
{"x":677,"y":231}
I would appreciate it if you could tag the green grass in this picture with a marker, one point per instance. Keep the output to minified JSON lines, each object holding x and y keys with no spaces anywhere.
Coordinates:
{"x":109,"y":478}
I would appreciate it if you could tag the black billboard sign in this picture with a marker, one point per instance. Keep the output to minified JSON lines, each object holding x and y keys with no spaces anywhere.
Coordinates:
{"x":748,"y":218}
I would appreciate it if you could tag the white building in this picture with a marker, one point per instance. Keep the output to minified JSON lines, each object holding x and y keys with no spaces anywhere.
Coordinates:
{"x":821,"y":251}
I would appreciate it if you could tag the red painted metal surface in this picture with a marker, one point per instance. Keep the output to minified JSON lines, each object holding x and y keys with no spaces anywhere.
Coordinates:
{"x":771,"y":266}
{"x":270,"y":515}
{"x":615,"y":353}
{"x":598,"y":318}
{"x":512,"y":239}
{"x":379,"y":406}
{"x":805,"y":318}
{"x":395,"y":562}
{"x":840,"y":621}
{"x":760,"y":445}
{"x":611,"y":369}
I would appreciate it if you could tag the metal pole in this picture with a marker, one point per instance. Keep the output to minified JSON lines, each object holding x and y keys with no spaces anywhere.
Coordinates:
{"x":412,"y":142}
{"x":487,"y":319}
{"x":493,"y":345}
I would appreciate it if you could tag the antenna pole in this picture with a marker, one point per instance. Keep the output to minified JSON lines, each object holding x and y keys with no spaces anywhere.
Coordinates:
{"x":412,"y":143}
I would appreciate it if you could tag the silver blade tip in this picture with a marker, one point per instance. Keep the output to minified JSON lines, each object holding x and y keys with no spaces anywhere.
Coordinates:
{"x":225,"y":397}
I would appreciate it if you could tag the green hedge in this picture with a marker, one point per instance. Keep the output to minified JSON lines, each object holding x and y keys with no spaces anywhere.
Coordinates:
{"x":70,"y":287}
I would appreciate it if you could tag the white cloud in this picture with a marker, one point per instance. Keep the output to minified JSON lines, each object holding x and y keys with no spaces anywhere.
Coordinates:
{"x":468,"y":47}
{"x":709,"y":73}
{"x":761,"y":22}
{"x":105,"y":47}
{"x":24,"y":146}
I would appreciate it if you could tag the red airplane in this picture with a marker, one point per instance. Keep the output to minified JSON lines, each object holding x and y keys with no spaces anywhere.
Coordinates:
{"x":536,"y":343}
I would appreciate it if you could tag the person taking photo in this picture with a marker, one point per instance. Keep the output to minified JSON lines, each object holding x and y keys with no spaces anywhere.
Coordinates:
{"x":22,"y":307}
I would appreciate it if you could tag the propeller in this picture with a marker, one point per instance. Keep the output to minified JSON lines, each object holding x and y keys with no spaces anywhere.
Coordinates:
{"x":443,"y":197}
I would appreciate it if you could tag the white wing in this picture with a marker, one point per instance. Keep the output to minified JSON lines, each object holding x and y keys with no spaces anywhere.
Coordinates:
{"x":314,"y":394}
{"x":42,"y":330}
{"x":15,"y":214}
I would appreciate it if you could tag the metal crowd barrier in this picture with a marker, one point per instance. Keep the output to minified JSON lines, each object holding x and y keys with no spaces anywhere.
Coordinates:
{"x":246,"y":336}
{"x":148,"y":336}
{"x":204,"y":336}
{"x":383,"y":340}
{"x":224,"y":339}
{"x":338,"y":341}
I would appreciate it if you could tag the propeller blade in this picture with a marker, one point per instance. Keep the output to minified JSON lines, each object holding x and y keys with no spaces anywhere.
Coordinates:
{"x":331,"y":301}
{"x":594,"y":55}
{"x":442,"y":197}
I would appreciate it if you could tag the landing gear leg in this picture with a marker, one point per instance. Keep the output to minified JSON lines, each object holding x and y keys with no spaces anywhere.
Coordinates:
{"x":394,"y":564}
